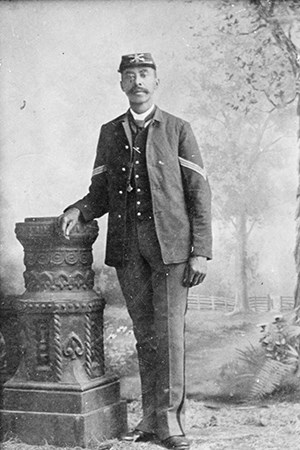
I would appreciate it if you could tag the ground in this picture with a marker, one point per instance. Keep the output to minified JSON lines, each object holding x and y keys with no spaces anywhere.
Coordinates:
{"x":218,"y":417}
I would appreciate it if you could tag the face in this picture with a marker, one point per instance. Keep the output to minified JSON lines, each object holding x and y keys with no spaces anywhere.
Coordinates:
{"x":139,"y":84}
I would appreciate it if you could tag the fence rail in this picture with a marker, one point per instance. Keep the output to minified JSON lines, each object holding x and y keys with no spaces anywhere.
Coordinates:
{"x":258,"y":304}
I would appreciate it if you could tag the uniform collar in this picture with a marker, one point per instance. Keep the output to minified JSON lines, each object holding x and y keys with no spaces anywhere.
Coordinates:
{"x":158,"y":116}
{"x":124,"y":119}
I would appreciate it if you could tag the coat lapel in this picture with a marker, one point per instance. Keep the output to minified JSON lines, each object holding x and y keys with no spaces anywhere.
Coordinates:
{"x":158,"y":117}
{"x":127,"y":130}
{"x":153,"y":132}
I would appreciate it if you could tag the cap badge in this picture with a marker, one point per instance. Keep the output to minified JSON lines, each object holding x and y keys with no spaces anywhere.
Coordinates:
{"x":138,"y":57}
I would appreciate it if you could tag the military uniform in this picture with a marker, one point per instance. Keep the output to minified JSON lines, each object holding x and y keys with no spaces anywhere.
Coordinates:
{"x":153,"y":185}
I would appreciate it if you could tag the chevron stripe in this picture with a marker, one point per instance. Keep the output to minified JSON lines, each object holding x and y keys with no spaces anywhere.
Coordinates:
{"x":98,"y":170}
{"x":190,"y":165}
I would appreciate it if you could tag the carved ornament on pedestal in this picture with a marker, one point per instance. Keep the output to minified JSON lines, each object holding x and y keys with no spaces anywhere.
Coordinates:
{"x":61,"y":342}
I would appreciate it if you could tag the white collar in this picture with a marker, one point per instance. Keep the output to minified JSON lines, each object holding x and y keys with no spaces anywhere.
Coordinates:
{"x":143,"y":115}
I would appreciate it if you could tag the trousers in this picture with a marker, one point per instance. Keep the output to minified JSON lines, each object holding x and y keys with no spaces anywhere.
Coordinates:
{"x":156,"y":301}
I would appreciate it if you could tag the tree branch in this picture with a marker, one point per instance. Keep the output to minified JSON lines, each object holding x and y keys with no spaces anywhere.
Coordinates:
{"x":251,"y":228}
{"x":283,"y":41}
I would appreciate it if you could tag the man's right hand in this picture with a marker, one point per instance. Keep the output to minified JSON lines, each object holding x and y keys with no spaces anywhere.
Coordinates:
{"x":68,"y":220}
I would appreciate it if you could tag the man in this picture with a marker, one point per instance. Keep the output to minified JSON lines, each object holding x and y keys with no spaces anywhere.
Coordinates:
{"x":149,"y":176}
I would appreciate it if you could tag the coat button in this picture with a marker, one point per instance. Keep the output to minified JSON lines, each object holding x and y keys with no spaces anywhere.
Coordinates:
{"x":137,"y":176}
{"x":124,"y":169}
{"x":119,"y":216}
{"x":127,"y":147}
{"x":138,"y":190}
{"x":137,"y":162}
{"x":138,"y":203}
{"x":120,"y":192}
{"x":139,"y":214}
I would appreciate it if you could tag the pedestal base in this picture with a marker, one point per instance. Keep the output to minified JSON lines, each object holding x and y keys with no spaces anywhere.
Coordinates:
{"x":64,"y":417}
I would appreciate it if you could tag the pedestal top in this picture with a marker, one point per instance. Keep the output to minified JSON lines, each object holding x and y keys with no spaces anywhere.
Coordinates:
{"x":53,"y":262}
{"x":50,"y":228}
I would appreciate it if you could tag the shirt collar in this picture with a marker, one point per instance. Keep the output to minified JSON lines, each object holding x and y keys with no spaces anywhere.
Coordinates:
{"x":143,"y":115}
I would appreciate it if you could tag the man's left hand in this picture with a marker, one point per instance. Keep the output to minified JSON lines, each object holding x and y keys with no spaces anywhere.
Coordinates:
{"x":195,"y":271}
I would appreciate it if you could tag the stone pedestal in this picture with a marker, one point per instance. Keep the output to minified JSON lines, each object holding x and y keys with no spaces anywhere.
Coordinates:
{"x":60,"y":393}
{"x":9,"y":341}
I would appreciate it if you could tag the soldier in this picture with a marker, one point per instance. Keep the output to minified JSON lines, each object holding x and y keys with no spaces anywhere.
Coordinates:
{"x":149,"y":177}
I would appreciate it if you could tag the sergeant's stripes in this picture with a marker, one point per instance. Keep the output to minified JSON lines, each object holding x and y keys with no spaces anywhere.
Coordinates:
{"x":98,"y":170}
{"x":190,"y":165}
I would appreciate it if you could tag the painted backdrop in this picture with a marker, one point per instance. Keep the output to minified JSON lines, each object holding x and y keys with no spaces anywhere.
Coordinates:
{"x":59,"y":82}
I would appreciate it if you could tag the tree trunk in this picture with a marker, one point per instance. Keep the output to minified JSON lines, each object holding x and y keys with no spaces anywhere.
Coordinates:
{"x":241,"y":290}
{"x":297,"y":247}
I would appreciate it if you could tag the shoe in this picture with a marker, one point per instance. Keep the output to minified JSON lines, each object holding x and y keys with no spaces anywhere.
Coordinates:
{"x":139,"y":436}
{"x":176,"y":442}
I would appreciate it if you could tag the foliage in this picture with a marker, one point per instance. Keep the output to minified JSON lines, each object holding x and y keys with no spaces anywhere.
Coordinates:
{"x":236,"y":377}
{"x":281,"y":19}
{"x":120,"y":354}
{"x":281,"y":339}
{"x":269,"y":377}
{"x":244,"y":85}
{"x":277,"y":361}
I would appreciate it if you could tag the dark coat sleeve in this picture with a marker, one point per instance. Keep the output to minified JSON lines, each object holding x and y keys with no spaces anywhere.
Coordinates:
{"x":95,"y":203}
{"x":197,"y":192}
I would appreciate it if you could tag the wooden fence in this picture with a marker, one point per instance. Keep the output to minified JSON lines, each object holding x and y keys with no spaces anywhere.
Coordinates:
{"x":258,"y":304}
{"x":287,"y":303}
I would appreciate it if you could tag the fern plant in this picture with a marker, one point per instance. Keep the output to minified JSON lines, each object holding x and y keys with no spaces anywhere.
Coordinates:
{"x":281,"y":339}
{"x":278,"y":357}
{"x":269,"y":378}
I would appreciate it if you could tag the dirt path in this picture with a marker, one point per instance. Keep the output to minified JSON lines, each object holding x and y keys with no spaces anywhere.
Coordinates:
{"x":258,"y":427}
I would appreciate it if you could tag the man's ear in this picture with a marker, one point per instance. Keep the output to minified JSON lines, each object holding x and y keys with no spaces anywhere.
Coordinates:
{"x":121,"y":85}
{"x":157,"y":81}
